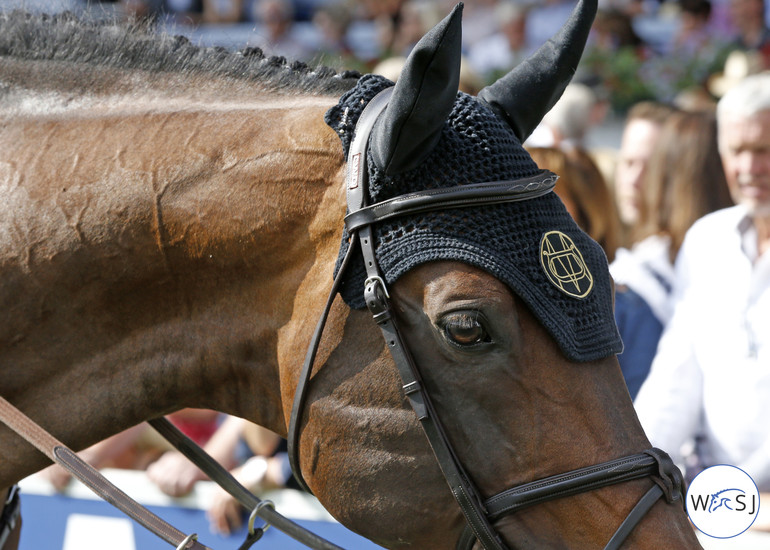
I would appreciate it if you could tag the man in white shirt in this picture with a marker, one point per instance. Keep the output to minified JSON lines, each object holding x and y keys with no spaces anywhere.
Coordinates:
{"x":710,"y":380}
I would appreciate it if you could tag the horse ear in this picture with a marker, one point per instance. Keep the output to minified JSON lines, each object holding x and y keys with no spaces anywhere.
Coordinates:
{"x":422,"y":99}
{"x":527,"y":93}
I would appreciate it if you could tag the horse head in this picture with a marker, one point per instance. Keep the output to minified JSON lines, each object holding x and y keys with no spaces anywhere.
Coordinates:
{"x":505,"y":309}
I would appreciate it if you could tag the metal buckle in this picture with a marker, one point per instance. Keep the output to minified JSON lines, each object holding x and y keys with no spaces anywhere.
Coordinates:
{"x":255,"y":534}
{"x":12,"y":494}
{"x":187,"y":540}
{"x":255,"y":513}
{"x":376,"y":297}
{"x":9,"y":514}
{"x":377,"y":279}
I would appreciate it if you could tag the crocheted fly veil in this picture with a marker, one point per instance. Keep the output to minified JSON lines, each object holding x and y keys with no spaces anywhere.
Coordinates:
{"x":430,"y":136}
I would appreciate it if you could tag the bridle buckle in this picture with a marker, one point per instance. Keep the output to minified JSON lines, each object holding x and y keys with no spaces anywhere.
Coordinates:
{"x":376,"y":297}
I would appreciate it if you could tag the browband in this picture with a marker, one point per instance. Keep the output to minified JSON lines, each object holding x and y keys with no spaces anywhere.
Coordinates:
{"x":459,"y":196}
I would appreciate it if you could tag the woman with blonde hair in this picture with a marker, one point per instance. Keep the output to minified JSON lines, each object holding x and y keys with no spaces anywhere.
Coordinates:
{"x":684,"y":180}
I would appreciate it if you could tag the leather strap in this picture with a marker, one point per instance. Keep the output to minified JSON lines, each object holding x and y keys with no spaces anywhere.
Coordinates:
{"x":460,"y":196}
{"x":355,"y":166}
{"x":634,"y":517}
{"x":652,"y":463}
{"x":459,"y":483}
{"x":9,"y":514}
{"x":571,"y":483}
{"x":223,"y":478}
{"x":376,"y":298}
{"x":669,"y":484}
{"x":60,"y":453}
{"x":463,"y":490}
{"x":298,"y":407}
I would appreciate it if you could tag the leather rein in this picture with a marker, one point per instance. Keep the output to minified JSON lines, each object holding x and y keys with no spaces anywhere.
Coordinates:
{"x":479,"y":513}
{"x":94,"y":480}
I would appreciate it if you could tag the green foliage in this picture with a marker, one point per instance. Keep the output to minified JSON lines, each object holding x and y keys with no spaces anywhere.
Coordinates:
{"x":619,"y":72}
{"x":630,"y":75}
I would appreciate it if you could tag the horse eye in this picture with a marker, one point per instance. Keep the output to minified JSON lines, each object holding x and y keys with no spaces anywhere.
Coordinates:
{"x":465,"y":329}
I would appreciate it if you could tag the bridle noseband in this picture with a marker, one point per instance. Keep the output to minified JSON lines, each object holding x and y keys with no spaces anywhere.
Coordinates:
{"x":479,"y":513}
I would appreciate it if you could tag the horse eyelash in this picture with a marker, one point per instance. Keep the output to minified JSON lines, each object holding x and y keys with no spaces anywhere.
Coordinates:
{"x":468,"y":319}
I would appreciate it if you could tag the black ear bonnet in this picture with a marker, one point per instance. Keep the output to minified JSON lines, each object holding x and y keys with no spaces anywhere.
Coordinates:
{"x":534,"y":246}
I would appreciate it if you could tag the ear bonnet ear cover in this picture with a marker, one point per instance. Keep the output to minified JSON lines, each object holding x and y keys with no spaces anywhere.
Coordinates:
{"x":534,"y":246}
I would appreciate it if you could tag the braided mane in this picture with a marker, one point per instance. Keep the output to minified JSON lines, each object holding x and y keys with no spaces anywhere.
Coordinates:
{"x":67,"y":38}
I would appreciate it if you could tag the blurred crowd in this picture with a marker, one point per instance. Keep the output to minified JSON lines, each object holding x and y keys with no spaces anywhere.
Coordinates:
{"x":255,"y":456}
{"x":664,"y":50}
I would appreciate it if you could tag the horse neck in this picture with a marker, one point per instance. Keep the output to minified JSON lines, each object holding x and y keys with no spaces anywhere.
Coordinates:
{"x":153,"y":253}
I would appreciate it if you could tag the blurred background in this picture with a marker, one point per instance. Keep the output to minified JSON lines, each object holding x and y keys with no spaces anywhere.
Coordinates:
{"x":665,"y":50}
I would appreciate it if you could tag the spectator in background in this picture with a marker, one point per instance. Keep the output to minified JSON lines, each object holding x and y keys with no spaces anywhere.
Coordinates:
{"x":614,"y":29}
{"x":386,"y":15}
{"x":415,"y":19}
{"x":333,"y":23}
{"x":693,"y":35}
{"x":748,"y":19}
{"x":176,"y":475}
{"x":480,"y":19}
{"x":305,"y":9}
{"x":138,"y":447}
{"x":710,"y":380}
{"x":640,"y":133}
{"x":631,"y":8}
{"x":265,"y":467}
{"x":738,"y":65}
{"x":570,"y":120}
{"x":223,"y":11}
{"x":695,"y":98}
{"x":185,"y":12}
{"x":278,"y":35}
{"x":546,"y":17}
{"x":616,"y":56}
{"x":495,"y":55}
{"x":684,"y":181}
{"x":255,"y":456}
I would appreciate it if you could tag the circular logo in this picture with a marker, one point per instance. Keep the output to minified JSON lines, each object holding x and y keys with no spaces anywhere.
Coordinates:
{"x":564,"y":265}
{"x":722,"y":501}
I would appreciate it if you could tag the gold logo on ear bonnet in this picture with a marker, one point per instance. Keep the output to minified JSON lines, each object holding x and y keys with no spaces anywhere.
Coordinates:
{"x":564,"y":265}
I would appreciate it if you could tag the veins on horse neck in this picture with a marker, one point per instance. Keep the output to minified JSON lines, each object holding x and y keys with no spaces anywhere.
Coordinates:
{"x":159,"y":188}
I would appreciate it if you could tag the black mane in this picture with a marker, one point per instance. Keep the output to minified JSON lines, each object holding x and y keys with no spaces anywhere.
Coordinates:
{"x":65,"y":37}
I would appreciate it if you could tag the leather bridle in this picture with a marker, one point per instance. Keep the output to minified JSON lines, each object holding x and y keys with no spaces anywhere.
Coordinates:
{"x":478,"y":512}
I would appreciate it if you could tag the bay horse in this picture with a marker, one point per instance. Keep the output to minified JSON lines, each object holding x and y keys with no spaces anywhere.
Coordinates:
{"x":170,"y":221}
